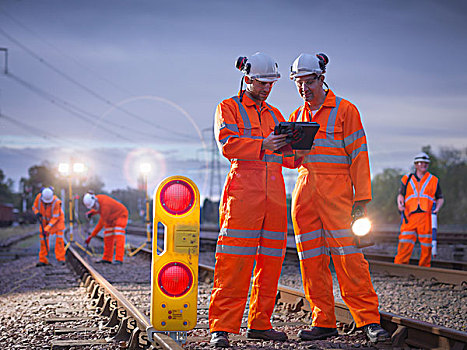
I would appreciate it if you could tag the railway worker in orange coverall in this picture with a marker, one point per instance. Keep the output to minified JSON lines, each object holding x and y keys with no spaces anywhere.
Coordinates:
{"x":113,"y":218}
{"x":333,"y":180}
{"x":48,"y":210}
{"x":253,"y":220}
{"x":418,"y":193}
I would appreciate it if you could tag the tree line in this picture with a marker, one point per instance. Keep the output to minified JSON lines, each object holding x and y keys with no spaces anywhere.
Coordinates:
{"x":449,"y":165}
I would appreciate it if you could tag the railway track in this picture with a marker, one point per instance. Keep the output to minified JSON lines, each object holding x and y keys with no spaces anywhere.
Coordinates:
{"x":121,"y":309}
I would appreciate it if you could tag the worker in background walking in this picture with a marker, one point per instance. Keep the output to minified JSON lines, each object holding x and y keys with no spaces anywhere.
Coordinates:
{"x":114,"y":219}
{"x":333,"y":183}
{"x":253,"y":217}
{"x":48,"y":210}
{"x":419,"y":197}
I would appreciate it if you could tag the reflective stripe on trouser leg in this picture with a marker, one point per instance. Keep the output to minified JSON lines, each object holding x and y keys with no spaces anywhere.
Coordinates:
{"x":242,"y":213}
{"x":425,"y":237}
{"x":108,"y":247}
{"x":320,"y":212}
{"x":407,"y":239}
{"x":119,"y":239}
{"x":269,"y":259}
{"x":59,"y":246}
{"x":43,"y":249}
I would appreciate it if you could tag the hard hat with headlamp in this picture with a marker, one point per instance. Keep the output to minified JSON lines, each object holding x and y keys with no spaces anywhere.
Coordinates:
{"x":361,"y":227}
{"x":307,"y":64}
{"x":422,"y":157}
{"x":259,"y":67}
{"x":47,"y":195}
{"x":89,"y":200}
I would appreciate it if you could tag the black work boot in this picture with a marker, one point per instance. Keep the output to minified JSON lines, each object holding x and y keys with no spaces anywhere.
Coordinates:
{"x":102,"y":261}
{"x":220,"y":339}
{"x":375,"y":333}
{"x":317,"y":333}
{"x":269,"y":334}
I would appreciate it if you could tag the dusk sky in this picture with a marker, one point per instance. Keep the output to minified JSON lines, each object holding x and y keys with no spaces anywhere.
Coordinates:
{"x":111,"y":83}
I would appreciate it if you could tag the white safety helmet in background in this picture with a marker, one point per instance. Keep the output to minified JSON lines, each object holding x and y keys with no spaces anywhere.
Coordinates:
{"x":259,"y":66}
{"x":47,"y":195}
{"x":306,"y":64}
{"x":422,"y":157}
{"x":89,"y":200}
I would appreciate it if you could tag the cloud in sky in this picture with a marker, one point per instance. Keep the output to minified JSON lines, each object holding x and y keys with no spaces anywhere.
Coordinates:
{"x":71,"y":63}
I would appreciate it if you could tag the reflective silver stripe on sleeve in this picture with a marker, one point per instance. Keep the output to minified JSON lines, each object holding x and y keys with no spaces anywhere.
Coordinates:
{"x":356,"y":152}
{"x":231,"y":127}
{"x":353,"y":137}
{"x":229,"y":249}
{"x":244,"y":115}
{"x":224,"y":140}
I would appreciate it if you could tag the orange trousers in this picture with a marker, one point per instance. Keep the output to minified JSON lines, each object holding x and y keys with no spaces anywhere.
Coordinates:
{"x":114,"y":237}
{"x":321,"y":207}
{"x":253,"y":223}
{"x":418,"y":224}
{"x":59,"y":247}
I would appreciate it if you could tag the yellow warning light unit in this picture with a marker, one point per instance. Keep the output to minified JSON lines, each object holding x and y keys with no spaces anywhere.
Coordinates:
{"x":174,"y":273}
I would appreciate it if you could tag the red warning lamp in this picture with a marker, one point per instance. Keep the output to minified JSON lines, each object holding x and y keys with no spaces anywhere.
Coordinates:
{"x":177,"y":197}
{"x":175,"y":279}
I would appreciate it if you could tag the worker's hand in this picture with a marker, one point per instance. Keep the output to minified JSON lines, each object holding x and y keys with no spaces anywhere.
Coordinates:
{"x":400,"y":202}
{"x":434,"y":246}
{"x":89,"y":214}
{"x":88,"y":240}
{"x":273,"y":142}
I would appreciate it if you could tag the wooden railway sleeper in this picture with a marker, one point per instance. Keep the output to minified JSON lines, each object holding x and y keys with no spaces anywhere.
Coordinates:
{"x":399,"y":336}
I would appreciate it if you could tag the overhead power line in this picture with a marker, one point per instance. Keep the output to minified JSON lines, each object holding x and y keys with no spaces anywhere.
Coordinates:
{"x":88,"y":90}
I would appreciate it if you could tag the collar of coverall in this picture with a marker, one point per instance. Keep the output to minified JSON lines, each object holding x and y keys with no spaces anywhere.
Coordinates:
{"x":329,"y":100}
{"x":249,"y":102}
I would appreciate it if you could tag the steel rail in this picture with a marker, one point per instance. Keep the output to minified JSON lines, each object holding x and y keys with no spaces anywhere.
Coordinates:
{"x":143,"y":324}
{"x":405,"y":331}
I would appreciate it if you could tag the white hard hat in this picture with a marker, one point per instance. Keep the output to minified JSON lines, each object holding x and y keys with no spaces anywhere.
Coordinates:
{"x":47,"y":195}
{"x":422,"y":157}
{"x":306,"y":64}
{"x":89,"y":200}
{"x":259,"y":66}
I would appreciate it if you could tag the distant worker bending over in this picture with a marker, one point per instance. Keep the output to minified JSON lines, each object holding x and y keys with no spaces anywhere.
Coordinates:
{"x":333,"y":183}
{"x":419,"y":193}
{"x":114,"y":219}
{"x":48,"y":210}
{"x":253,"y":217}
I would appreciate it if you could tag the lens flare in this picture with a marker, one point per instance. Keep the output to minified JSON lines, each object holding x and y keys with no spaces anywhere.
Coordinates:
{"x":152,"y":159}
{"x":361,"y":227}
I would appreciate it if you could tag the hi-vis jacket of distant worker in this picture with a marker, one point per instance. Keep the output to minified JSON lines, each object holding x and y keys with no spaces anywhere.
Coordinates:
{"x":53,"y":222}
{"x":333,"y":176}
{"x":253,"y":218}
{"x":420,"y":195}
{"x":114,"y":218}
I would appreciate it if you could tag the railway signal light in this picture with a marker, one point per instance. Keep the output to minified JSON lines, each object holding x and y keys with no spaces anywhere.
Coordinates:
{"x":174,"y":290}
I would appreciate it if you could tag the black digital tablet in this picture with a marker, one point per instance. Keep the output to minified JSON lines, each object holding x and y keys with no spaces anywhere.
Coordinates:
{"x":300,"y":135}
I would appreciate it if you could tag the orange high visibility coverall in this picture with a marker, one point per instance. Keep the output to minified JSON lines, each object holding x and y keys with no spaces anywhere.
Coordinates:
{"x":333,"y":176}
{"x":419,"y":200}
{"x":253,"y":218}
{"x":53,"y":222}
{"x":114,"y":218}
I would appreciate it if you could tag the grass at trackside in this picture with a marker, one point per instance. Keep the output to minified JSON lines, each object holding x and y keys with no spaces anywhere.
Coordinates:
{"x":6,"y":232}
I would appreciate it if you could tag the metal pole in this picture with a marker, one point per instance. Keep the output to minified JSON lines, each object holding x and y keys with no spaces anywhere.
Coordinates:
{"x":148,"y":223}
{"x":71,"y":208}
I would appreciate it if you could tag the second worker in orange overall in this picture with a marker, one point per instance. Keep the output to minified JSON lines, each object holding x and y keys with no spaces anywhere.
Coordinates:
{"x":333,"y":180}
{"x":48,"y":210}
{"x":114,"y":219}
